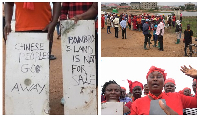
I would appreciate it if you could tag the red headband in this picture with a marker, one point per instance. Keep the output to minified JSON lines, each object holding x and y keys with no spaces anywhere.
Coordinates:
{"x":134,"y":84}
{"x":123,"y":88}
{"x":170,"y":80}
{"x":186,"y":88}
{"x":153,"y":68}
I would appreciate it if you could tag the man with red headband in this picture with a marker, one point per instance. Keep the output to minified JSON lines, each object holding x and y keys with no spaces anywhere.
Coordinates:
{"x":123,"y":97}
{"x":169,"y":85}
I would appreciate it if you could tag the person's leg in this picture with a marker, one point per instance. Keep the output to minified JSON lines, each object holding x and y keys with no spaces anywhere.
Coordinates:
{"x":125,"y":32}
{"x":107,"y":29}
{"x":161,"y":43}
{"x":145,"y":41}
{"x":186,"y":45}
{"x":117,"y":32}
{"x":122,"y":34}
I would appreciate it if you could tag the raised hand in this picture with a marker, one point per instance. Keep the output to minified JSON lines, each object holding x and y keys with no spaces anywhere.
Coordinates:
{"x":189,"y":71}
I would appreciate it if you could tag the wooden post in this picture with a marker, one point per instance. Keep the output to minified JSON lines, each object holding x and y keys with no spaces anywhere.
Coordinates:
{"x":27,"y":74}
{"x":79,"y":69}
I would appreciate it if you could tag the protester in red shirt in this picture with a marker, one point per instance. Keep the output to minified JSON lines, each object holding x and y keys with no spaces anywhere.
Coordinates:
{"x":175,"y":102}
{"x":136,"y":89}
{"x":173,"y":20}
{"x":102,"y":21}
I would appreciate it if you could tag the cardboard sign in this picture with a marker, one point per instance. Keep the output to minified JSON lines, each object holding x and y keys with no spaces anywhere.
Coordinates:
{"x":27,"y":74}
{"x":79,"y":67}
{"x":112,"y":108}
{"x":155,"y":108}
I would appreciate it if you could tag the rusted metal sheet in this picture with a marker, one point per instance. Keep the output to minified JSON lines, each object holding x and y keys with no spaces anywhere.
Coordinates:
{"x":27,"y":74}
{"x":112,"y":108}
{"x":79,"y":69}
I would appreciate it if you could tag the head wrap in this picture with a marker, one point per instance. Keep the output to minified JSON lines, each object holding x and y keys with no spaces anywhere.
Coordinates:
{"x":170,"y":80}
{"x":186,"y":88}
{"x":153,"y":68}
{"x":123,"y":88}
{"x":134,"y":84}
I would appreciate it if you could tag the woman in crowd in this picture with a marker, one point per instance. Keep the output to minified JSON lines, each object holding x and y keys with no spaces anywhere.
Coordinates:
{"x":112,"y":92}
{"x":175,"y":102}
{"x":136,"y":89}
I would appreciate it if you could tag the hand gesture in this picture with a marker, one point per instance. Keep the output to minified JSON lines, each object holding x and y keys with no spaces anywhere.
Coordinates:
{"x":76,"y":18}
{"x":167,"y":109}
{"x":50,"y":28}
{"x":189,"y":71}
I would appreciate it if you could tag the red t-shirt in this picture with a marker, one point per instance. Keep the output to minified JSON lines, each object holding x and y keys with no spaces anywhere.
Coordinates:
{"x":175,"y":101}
{"x":36,"y":19}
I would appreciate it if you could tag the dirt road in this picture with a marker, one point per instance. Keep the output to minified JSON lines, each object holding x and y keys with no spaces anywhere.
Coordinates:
{"x":133,"y":46}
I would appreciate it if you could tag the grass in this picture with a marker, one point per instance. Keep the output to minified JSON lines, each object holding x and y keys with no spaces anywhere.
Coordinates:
{"x":192,"y":20}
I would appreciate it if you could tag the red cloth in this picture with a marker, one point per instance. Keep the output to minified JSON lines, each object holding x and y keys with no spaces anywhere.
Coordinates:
{"x":154,"y":97}
{"x":102,"y":21}
{"x":175,"y":101}
{"x":134,"y":84}
{"x":153,"y":68}
{"x":72,"y":9}
{"x":181,"y":92}
{"x":28,"y":5}
{"x":123,"y":88}
{"x":36,"y":19}
{"x":186,"y":88}
{"x":170,"y":80}
{"x":134,"y":23}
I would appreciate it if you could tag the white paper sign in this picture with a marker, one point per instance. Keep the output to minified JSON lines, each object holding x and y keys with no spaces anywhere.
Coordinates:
{"x":79,"y":67}
{"x":112,"y":108}
{"x":27,"y":74}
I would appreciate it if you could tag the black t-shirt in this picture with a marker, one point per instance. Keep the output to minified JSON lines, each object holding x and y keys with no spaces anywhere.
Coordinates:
{"x":188,"y":36}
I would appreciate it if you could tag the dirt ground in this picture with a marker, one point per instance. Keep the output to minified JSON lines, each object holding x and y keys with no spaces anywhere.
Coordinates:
{"x":55,"y":79}
{"x":133,"y":46}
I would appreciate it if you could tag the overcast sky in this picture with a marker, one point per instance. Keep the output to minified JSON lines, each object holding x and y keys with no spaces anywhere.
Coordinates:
{"x":160,"y":3}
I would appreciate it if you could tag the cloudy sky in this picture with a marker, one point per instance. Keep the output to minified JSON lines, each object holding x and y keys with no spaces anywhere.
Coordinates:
{"x":159,"y":3}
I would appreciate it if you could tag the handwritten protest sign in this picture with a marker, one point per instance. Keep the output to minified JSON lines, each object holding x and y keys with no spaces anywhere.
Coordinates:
{"x":27,"y":74}
{"x":78,"y":64}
